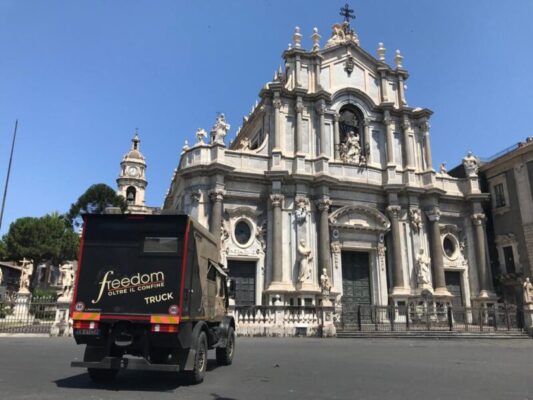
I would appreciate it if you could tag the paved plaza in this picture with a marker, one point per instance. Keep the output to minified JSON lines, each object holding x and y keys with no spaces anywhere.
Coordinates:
{"x":274,"y":368}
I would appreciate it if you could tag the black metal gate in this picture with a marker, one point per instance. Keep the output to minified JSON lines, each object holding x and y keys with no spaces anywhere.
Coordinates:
{"x":243,"y":273}
{"x":23,"y":314}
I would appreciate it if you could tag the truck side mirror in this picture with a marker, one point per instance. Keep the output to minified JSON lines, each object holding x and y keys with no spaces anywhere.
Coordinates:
{"x":231,"y":288}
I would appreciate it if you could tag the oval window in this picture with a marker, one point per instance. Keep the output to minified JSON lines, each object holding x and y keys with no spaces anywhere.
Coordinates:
{"x":449,"y":246}
{"x":242,"y":232}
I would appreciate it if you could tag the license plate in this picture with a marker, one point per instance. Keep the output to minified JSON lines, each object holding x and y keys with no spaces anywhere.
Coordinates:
{"x":94,"y":332}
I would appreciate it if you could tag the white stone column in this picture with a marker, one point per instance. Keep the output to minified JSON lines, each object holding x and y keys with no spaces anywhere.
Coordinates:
{"x":384,"y":87}
{"x":366,"y":138}
{"x":298,"y":108}
{"x":424,"y":127}
{"x":321,"y":109}
{"x":277,"y":130}
{"x":485,"y":281}
{"x":336,"y":136}
{"x":276,"y":200}
{"x":323,"y":235}
{"x":389,"y":125}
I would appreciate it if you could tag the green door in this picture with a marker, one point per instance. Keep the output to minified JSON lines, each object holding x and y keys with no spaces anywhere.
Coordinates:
{"x":355,"y":278}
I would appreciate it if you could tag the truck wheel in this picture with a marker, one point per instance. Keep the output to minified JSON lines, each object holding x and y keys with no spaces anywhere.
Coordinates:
{"x":94,"y":353}
{"x":225,"y":354}
{"x":200,"y":361}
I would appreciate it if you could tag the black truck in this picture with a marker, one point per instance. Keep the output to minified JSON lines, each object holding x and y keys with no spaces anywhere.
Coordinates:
{"x":150,"y":294}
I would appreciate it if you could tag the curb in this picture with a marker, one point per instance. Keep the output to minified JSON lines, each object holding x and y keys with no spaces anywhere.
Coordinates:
{"x":24,"y":335}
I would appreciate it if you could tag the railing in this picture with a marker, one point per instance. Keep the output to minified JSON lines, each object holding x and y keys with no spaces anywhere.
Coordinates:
{"x":432,"y":317}
{"x":282,"y":320}
{"x":24,"y":314}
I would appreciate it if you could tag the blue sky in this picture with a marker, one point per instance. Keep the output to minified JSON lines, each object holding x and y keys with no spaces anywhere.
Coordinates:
{"x":82,"y":75}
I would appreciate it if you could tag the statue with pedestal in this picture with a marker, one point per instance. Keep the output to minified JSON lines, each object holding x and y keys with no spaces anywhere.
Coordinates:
{"x":471,"y":165}
{"x":21,"y":310}
{"x":220,"y":129}
{"x":527,"y":287}
{"x":62,"y":325}
{"x":305,"y":261}
{"x":328,"y":326}
{"x":422,"y":274}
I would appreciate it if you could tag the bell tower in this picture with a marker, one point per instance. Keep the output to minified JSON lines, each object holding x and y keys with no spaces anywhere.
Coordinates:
{"x":131,"y":182}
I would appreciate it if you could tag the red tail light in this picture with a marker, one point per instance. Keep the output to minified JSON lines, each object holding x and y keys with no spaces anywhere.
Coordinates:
{"x":167,"y":328}
{"x":85,"y":325}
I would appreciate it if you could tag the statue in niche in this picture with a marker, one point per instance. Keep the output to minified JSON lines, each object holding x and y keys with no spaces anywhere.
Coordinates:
{"x":305,"y":261}
{"x":350,"y":151}
{"x":471,"y":165}
{"x":25,"y":275}
{"x":325,"y":283}
{"x":219,"y":129}
{"x":422,"y":273}
{"x":528,"y":291}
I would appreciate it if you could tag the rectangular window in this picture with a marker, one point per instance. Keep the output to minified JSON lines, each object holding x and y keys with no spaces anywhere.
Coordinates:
{"x":499,"y":196}
{"x":509,"y":259}
{"x":160,"y":245}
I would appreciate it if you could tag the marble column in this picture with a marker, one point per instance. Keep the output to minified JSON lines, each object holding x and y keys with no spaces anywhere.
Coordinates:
{"x":336,"y":136}
{"x":277,"y":130}
{"x":298,"y":108}
{"x":485,"y":283}
{"x":437,"y":256}
{"x":323,"y":206}
{"x":321,"y":109}
{"x":397,"y":267}
{"x":217,"y":196}
{"x":407,"y":143}
{"x":401,"y":92}
{"x":384,"y":87}
{"x":366,"y":138}
{"x":427,"y":145}
{"x":276,"y":200}
{"x":389,"y":124}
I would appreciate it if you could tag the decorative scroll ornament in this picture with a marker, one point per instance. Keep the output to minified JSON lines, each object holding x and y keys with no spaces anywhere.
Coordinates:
{"x":302,"y":209}
{"x":220,"y":129}
{"x":416,"y":219}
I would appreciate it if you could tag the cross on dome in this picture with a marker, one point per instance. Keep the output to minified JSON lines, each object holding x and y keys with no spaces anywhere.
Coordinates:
{"x":347,"y":13}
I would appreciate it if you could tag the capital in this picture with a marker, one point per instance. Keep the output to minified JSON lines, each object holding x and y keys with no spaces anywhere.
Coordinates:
{"x":367,"y":121}
{"x":424,"y":126}
{"x":276,"y":103}
{"x":276,"y":199}
{"x":323,"y":204}
{"x":299,"y":106}
{"x":217,"y":195}
{"x":406,"y":124}
{"x":336,"y":117}
{"x":394,"y":211}
{"x":321,"y":108}
{"x":478,"y":218}
{"x":433,"y":214}
{"x":195,"y":196}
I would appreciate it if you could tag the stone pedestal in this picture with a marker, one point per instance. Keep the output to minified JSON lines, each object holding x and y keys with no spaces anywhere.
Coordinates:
{"x":21,"y":310}
{"x":327,"y":321}
{"x":62,"y":325}
{"x":528,"y":318}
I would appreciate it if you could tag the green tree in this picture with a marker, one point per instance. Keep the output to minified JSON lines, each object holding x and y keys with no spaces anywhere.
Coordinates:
{"x":3,"y":250}
{"x":94,"y":201}
{"x":49,"y":239}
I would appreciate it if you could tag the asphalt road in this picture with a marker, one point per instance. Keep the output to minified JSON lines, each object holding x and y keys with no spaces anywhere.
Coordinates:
{"x":275,"y":368}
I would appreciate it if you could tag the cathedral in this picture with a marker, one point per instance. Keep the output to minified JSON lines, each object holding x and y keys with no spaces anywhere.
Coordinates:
{"x":328,"y":190}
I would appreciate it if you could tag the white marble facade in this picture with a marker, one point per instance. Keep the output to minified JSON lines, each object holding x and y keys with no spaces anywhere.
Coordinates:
{"x":333,"y":158}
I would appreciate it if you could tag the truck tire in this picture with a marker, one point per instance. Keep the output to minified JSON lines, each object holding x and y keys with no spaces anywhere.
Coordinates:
{"x":200,"y":361}
{"x":95,"y":353}
{"x":225,"y":354}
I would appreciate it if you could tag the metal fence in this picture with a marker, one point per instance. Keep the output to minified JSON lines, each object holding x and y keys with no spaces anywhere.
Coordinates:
{"x":433,"y":317}
{"x":24,"y":314}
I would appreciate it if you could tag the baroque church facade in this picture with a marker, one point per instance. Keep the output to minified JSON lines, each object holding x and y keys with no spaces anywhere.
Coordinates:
{"x":330,"y":182}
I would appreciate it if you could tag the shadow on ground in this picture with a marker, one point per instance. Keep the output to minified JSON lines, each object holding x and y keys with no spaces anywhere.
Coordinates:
{"x":149,"y":381}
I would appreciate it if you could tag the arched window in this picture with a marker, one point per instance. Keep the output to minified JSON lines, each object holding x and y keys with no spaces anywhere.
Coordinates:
{"x":130,"y":195}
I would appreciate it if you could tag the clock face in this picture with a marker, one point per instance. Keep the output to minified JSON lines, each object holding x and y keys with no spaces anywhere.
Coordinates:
{"x":242,"y":232}
{"x":133,"y":171}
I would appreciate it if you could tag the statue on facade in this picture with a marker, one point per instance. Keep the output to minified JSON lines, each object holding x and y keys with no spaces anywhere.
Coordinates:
{"x":341,"y":33}
{"x":422,"y":274}
{"x":416,"y":219}
{"x":245,"y":144}
{"x":471,"y":165}
{"x":528,"y":291}
{"x":442,"y":169}
{"x":305,"y":261}
{"x":67,"y":281}
{"x":200,"y":135}
{"x":325,"y":283}
{"x":25,"y":275}
{"x":219,"y":129}
{"x":350,"y":151}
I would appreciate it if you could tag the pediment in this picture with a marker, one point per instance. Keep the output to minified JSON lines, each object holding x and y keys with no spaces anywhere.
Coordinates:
{"x":359,"y":217}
